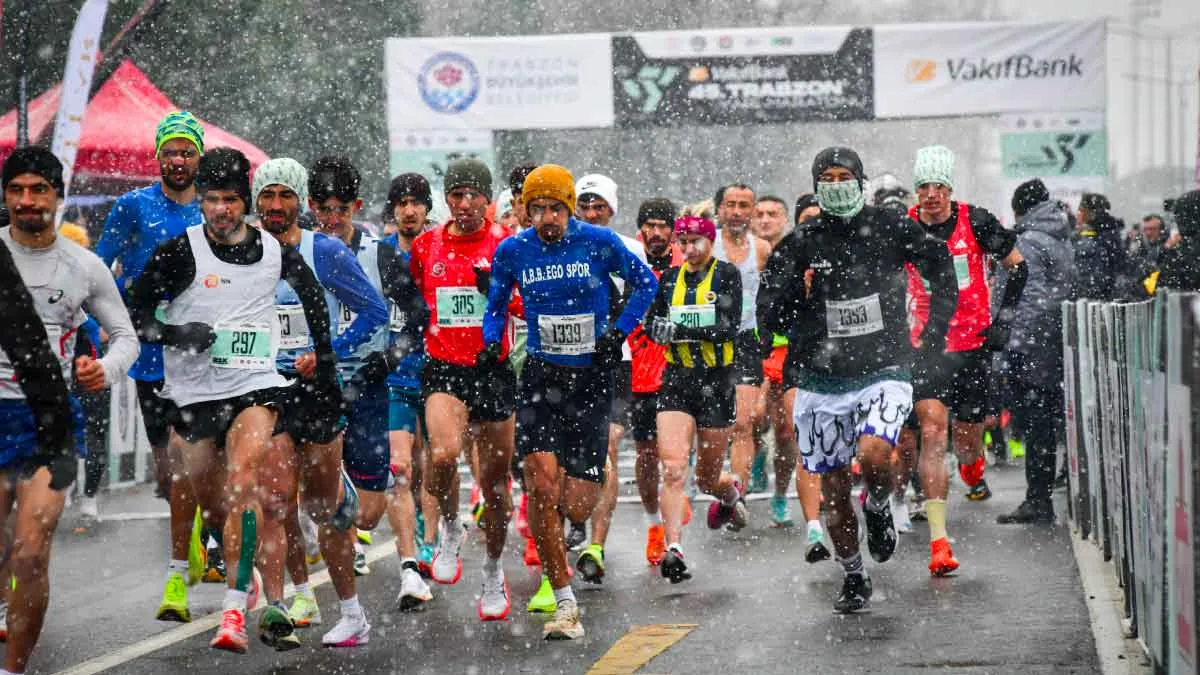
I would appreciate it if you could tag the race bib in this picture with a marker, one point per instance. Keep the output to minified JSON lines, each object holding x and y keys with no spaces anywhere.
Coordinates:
{"x":567,"y":334}
{"x":345,"y":318}
{"x":747,"y":307}
{"x":460,"y":306}
{"x":851,"y":318}
{"x":245,"y":346}
{"x":293,"y":327}
{"x":54,"y":335}
{"x":962,"y":270}
{"x":694,"y":316}
{"x":396,"y":318}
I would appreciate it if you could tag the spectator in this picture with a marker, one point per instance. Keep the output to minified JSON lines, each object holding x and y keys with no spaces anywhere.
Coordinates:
{"x":1100,"y":262}
{"x":1149,"y":245}
{"x":1180,"y":266}
{"x":807,"y":209}
{"x":1034,"y":351}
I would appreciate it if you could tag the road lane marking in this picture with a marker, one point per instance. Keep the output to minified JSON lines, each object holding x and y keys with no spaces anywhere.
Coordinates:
{"x":208,"y":622}
{"x":637,"y":647}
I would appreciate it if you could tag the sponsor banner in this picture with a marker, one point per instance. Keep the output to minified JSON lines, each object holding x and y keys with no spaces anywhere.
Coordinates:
{"x":77,"y":84}
{"x":530,"y":82}
{"x":937,"y":70}
{"x":747,"y":76}
{"x":427,"y":152}
{"x":1053,"y":144}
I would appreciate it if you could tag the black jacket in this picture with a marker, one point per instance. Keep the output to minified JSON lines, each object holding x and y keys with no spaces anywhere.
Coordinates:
{"x":1101,"y":265}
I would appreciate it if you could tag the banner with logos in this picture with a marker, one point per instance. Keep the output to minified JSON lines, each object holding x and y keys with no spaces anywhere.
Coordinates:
{"x":1068,"y":151}
{"x":951,"y":69}
{"x":428,"y":151}
{"x":525,"y":82}
{"x":742,"y":76}
{"x":77,"y":84}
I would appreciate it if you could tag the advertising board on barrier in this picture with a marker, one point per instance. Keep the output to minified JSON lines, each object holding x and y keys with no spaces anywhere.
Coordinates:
{"x":743,"y":76}
{"x":526,"y":82}
{"x":949,"y":69}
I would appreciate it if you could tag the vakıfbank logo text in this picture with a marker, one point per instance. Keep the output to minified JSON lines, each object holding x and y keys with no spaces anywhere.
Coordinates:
{"x":1011,"y":67}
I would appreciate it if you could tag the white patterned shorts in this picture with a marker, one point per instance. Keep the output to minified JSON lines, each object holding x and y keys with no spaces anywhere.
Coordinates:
{"x":828,"y":425}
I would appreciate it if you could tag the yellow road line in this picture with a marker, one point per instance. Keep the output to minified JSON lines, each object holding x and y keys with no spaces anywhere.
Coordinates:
{"x":638,"y":646}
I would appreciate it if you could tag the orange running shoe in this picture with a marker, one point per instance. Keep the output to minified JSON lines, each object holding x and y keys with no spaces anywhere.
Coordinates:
{"x":656,"y":544}
{"x":231,"y":636}
{"x":942,"y":560}
{"x":687,"y":510}
{"x":531,"y":554}
{"x":523,"y":516}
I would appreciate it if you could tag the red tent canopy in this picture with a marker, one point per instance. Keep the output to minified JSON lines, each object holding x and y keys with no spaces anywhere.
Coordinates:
{"x":117,"y":142}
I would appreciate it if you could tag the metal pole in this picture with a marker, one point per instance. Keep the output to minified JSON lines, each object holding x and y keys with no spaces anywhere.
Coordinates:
{"x":1135,"y":101}
{"x":20,"y":50}
{"x":1170,"y":122}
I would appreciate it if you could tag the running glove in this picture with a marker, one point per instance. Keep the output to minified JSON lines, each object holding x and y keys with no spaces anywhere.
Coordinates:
{"x":483,"y":279}
{"x":489,"y":357}
{"x":62,"y":466}
{"x":194,"y":337}
{"x":608,"y":348}
{"x":996,"y":337}
{"x":662,"y":330}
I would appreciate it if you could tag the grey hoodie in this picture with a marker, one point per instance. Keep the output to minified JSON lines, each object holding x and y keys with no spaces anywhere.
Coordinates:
{"x":1043,"y":239}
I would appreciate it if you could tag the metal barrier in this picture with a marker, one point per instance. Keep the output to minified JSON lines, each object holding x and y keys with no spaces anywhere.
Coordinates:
{"x":1132,"y":412}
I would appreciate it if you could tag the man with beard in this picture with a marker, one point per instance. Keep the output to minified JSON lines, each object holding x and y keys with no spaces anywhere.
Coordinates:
{"x":140,"y":221}
{"x":65,"y":280}
{"x":735,"y":245}
{"x":310,"y":447}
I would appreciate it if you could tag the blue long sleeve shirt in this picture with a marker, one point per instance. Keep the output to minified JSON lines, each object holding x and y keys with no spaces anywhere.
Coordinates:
{"x":138,"y":222}
{"x":565,"y":289}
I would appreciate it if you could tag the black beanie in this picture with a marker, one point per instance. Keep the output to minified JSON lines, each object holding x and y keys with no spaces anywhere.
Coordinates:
{"x":409,"y":185}
{"x":1187,"y":213}
{"x":656,"y":208}
{"x":516,"y":179}
{"x":837,"y":156}
{"x":1094,"y":203}
{"x":36,"y":160}
{"x":224,"y":169}
{"x":1028,"y":195}
{"x":804,"y":201}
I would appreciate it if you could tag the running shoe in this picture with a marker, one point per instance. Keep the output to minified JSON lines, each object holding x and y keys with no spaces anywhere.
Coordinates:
{"x":815,"y":550}
{"x":576,"y":536}
{"x":916,"y":509}
{"x":900,"y":516}
{"x":781,"y":512}
{"x":981,"y":492}
{"x":196,"y":552}
{"x":543,"y":602}
{"x":89,"y":513}
{"x":419,"y":531}
{"x":425,"y":559}
{"x":881,"y":532}
{"x":447,"y":560}
{"x":1016,"y":448}
{"x":174,"y":606}
{"x":656,"y":544}
{"x":305,"y":611}
{"x":4,"y":621}
{"x":231,"y":635}
{"x":276,"y":630}
{"x":352,"y":630}
{"x":414,"y":592}
{"x":673,"y":568}
{"x":565,"y":624}
{"x":254,"y":592}
{"x":758,"y":473}
{"x":364,"y":537}
{"x":214,"y":564}
{"x":591,"y":564}
{"x":855,"y":595}
{"x":312,"y":540}
{"x":1029,"y":512}
{"x":476,"y":505}
{"x":941,"y":559}
{"x":494,"y":602}
{"x":361,"y":568}
{"x":687,"y":510}
{"x":343,"y":516}
{"x":523,"y":516}
{"x":531,"y":555}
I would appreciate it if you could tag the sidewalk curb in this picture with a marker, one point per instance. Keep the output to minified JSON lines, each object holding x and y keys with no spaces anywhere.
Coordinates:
{"x":1118,"y":654}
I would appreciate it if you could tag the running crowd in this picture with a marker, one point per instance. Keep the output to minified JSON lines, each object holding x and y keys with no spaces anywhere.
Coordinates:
{"x":301,"y":377}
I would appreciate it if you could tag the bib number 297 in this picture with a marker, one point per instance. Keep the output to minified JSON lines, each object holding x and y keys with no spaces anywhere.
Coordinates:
{"x":243,"y":343}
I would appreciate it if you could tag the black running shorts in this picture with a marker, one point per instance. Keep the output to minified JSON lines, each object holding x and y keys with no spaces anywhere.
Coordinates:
{"x":488,"y":393}
{"x":565,"y":410}
{"x":707,"y":394}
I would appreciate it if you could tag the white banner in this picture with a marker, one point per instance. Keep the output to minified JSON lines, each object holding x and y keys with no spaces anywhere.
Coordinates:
{"x":77,"y":84}
{"x":529,"y":82}
{"x":938,"y":70}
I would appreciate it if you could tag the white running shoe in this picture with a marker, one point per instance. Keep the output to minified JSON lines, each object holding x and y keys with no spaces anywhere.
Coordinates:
{"x":89,"y":509}
{"x":565,"y":625}
{"x":352,"y":630}
{"x":414,"y":592}
{"x":900,"y":516}
{"x":494,"y":602}
{"x":447,"y":560}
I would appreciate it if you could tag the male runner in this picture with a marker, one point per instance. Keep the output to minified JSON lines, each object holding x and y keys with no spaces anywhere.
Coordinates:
{"x":38,"y":462}
{"x":140,"y":221}
{"x":450,"y":267}
{"x":562,"y":268}
{"x":310,"y":447}
{"x":596,"y":204}
{"x":843,"y":312}
{"x":735,"y":245}
{"x":958,"y":378}
{"x":656,"y":225}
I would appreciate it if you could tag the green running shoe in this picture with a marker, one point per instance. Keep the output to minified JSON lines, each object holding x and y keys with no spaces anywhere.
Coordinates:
{"x":197,"y":556}
{"x":781,"y":514}
{"x":591,"y":564}
{"x":543,"y":601}
{"x":276,"y":630}
{"x":758,"y":473}
{"x":174,"y":605}
{"x":305,"y":611}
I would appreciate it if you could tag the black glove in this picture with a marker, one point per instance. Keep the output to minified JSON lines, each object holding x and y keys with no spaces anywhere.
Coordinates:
{"x":194,"y":337}
{"x":995,"y":338}
{"x":374,"y":369}
{"x":63,"y":468}
{"x":608,"y":348}
{"x":489,"y":356}
{"x":933,"y":342}
{"x":483,"y":279}
{"x":662,"y":330}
